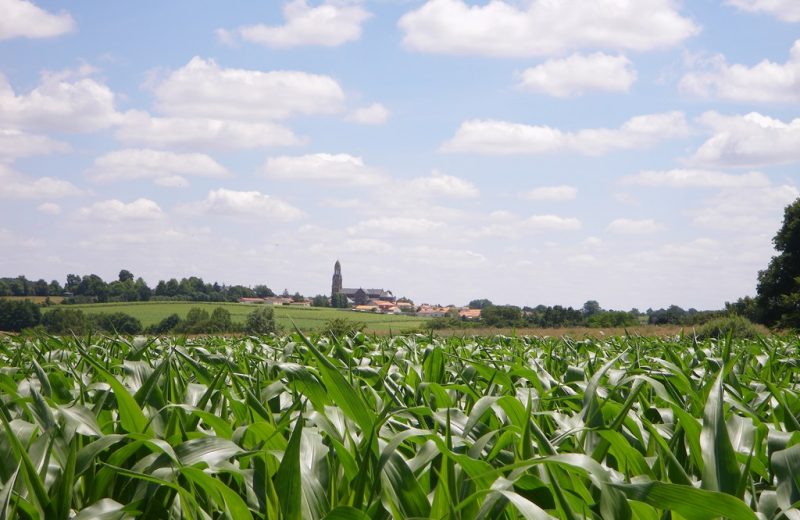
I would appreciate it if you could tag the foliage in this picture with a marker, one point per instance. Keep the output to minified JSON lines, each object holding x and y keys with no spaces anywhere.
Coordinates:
{"x":339,"y":301}
{"x":612,"y":319}
{"x":501,"y":316}
{"x":261,"y":321}
{"x":320,"y":300}
{"x":778,"y":288}
{"x":343,"y":327}
{"x":168,"y":324}
{"x":18,"y":315}
{"x":735,"y":326}
{"x":480,"y":303}
{"x":116,"y":323}
{"x":64,"y":321}
{"x":403,"y":427}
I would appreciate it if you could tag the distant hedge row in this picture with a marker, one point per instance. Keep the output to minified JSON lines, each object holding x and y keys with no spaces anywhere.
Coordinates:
{"x":16,"y":316}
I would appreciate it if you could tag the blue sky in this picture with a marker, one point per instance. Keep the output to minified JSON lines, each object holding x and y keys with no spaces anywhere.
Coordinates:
{"x":639,"y":153}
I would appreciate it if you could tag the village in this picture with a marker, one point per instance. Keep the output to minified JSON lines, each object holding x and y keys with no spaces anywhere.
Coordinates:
{"x":378,"y":301}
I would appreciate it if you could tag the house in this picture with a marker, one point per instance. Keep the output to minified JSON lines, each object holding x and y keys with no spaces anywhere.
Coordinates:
{"x":251,"y":300}
{"x":469,"y":314}
{"x":432,"y":311}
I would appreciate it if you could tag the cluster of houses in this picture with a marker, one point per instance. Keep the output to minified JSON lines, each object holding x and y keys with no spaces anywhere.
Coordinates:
{"x":374,"y":300}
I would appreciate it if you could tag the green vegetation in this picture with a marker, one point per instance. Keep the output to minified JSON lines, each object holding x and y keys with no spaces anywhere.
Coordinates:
{"x":403,"y":427}
{"x":151,"y":314}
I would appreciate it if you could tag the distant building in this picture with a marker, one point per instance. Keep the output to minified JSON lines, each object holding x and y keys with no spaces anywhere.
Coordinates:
{"x":357,"y":296}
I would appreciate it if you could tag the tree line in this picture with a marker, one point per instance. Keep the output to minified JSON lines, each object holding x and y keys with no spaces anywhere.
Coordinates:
{"x":126,"y":288}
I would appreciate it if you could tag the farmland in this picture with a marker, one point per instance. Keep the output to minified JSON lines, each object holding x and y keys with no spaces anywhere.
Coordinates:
{"x":402,"y":427}
{"x":308,"y":319}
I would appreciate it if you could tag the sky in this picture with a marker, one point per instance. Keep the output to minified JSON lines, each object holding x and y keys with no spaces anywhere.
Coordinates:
{"x":634,"y":152}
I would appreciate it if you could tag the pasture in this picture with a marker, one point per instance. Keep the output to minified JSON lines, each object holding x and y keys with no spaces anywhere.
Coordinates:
{"x":309,"y":319}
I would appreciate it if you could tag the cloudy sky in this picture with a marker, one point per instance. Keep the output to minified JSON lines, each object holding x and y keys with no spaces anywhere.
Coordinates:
{"x":636,"y":152}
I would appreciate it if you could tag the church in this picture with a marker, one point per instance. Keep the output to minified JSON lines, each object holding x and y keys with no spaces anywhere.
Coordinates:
{"x":357,"y":296}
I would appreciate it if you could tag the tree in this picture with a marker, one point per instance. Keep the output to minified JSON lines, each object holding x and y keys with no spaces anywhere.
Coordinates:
{"x":125,"y":276}
{"x":339,"y":301}
{"x":18,"y":315}
{"x":320,"y":300}
{"x":261,"y":321}
{"x":778,"y":291}
{"x":590,"y":308}
{"x":479,"y":304}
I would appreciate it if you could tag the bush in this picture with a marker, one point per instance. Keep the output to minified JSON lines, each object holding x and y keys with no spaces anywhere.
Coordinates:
{"x":343,"y":327}
{"x":198,"y":321}
{"x":166,"y":325}
{"x":116,"y":323}
{"x":261,"y":321}
{"x":739,"y":327}
{"x":612,"y":319}
{"x":64,"y":321}
{"x":18,"y":315}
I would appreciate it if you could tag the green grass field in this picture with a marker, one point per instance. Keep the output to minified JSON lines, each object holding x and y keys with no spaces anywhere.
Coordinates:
{"x":307,"y":319}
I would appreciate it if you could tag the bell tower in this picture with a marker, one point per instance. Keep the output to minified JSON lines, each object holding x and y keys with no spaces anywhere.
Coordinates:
{"x":336,"y":285}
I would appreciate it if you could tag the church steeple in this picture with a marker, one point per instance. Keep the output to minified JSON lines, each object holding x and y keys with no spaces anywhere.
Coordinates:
{"x":336,"y":285}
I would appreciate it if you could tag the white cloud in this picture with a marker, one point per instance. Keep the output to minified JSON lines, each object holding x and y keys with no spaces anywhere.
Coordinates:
{"x":17,"y":186}
{"x":441,"y":185}
{"x":243,"y":204}
{"x":115,"y":210}
{"x":203,"y":89}
{"x":753,"y":210}
{"x":15,"y":144}
{"x":786,"y":10}
{"x":390,"y":226}
{"x":697,"y":179}
{"x":503,"y":138}
{"x":202,"y":133}
{"x":80,"y":105}
{"x":163,"y":168}
{"x":502,"y":28}
{"x":374,"y":114}
{"x":751,"y":140}
{"x":551,"y":222}
{"x":765,"y":82}
{"x":23,"y":19}
{"x":579,"y":74}
{"x":634,"y":227}
{"x":367,"y":246}
{"x":334,"y":168}
{"x":562,"y":192}
{"x":330,"y":24}
{"x":51,"y":208}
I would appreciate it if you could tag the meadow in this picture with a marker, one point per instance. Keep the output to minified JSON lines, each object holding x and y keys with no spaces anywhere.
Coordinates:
{"x":411,"y":426}
{"x":310,"y":319}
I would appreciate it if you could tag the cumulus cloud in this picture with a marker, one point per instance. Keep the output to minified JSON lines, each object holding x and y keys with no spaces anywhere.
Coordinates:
{"x":15,"y":144}
{"x":202,"y":133}
{"x":634,"y":227}
{"x":334,"y":168}
{"x":115,"y":210}
{"x":374,"y":114}
{"x":786,"y":10}
{"x":390,"y":226}
{"x":697,"y":179}
{"x":504,"y":138}
{"x":24,"y":19}
{"x":752,"y":140}
{"x":579,"y":74}
{"x":329,"y":24}
{"x":551,"y":222}
{"x":203,"y":89}
{"x":765,"y":82}
{"x":163,"y":168}
{"x":507,"y":225}
{"x":59,"y":102}
{"x":541,"y":27}
{"x":51,"y":208}
{"x":244,"y":204}
{"x":752,"y":210}
{"x":15,"y":185}
{"x":440,"y":185}
{"x":562,"y":192}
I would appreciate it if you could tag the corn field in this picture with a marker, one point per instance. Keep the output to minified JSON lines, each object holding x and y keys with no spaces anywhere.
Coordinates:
{"x":403,"y":427}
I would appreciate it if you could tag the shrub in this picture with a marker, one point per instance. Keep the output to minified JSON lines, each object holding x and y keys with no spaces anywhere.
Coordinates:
{"x":739,"y":327}
{"x":220,"y":321}
{"x":64,"y":321}
{"x":261,"y":321}
{"x":117,"y":323}
{"x":343,"y":327}
{"x":18,"y":315}
{"x":166,"y":325}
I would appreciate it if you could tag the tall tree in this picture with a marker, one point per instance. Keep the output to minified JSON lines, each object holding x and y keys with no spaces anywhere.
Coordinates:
{"x":778,"y":298}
